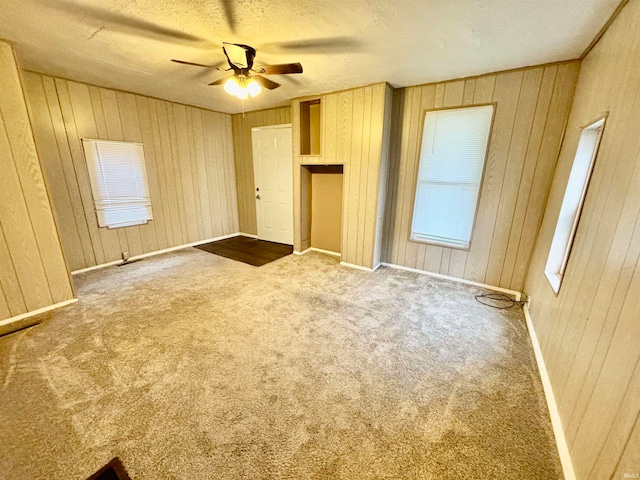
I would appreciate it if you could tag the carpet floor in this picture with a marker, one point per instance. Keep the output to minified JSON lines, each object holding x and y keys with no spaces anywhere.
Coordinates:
{"x":192,"y":366}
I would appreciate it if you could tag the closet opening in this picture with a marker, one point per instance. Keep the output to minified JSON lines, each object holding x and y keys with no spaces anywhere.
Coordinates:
{"x":321,"y":197}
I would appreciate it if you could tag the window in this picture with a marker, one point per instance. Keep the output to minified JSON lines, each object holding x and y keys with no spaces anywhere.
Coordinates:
{"x":118,"y":182}
{"x":454,"y":147}
{"x":572,"y":203}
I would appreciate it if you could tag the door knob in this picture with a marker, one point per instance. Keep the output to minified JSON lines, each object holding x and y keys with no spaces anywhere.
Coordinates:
{"x":258,"y":196}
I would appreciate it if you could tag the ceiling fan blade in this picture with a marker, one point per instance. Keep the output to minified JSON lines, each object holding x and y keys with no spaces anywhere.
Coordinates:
{"x":215,"y":66}
{"x":317,"y":45}
{"x":220,"y":81}
{"x":282,"y":69}
{"x":227,"y":6}
{"x":265,"y":82}
{"x":238,"y":55}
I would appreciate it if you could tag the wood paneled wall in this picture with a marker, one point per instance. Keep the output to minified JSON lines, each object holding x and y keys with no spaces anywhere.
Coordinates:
{"x":242,"y":126}
{"x":33,"y":273}
{"x":189,"y":158}
{"x":532,"y":106}
{"x":590,"y":332}
{"x":352,"y":134}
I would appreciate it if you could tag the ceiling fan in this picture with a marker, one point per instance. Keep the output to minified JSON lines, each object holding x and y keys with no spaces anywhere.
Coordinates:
{"x":246,"y":80}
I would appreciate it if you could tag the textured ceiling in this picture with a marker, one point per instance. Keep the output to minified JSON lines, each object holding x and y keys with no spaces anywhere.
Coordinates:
{"x":127,"y":44}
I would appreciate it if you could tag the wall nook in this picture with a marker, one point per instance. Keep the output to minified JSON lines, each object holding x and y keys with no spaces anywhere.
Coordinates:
{"x":353,"y":131}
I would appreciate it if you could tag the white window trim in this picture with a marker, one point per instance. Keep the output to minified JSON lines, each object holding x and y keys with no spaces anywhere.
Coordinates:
{"x":556,"y":275}
{"x":430,"y":241}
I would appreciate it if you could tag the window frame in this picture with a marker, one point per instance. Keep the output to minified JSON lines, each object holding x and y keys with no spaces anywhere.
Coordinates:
{"x":90,"y":176}
{"x":482,"y":175}
{"x":555,"y":279}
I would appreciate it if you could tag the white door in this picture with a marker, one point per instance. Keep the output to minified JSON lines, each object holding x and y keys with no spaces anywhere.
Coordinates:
{"x":273,"y":173}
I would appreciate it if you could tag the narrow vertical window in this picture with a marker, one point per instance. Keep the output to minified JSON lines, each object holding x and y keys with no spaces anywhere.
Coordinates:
{"x":118,"y":177}
{"x":572,"y":203}
{"x":452,"y":158}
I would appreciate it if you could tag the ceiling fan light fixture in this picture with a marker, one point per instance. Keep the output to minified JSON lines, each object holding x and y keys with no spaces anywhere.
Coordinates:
{"x":253,"y":87}
{"x":242,"y":94}
{"x":241,"y":87}
{"x":232,"y":86}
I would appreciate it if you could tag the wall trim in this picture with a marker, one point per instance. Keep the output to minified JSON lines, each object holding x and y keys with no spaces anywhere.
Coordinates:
{"x":517,"y":295}
{"x":16,"y":323}
{"x":320,"y":250}
{"x":262,"y":110}
{"x":358,"y":267}
{"x":605,"y":27}
{"x":275,"y":126}
{"x":328,"y":252}
{"x":556,"y":422}
{"x":159,"y":252}
{"x":97,"y":267}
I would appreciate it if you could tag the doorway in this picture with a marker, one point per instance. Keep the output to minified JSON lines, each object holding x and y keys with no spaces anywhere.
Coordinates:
{"x":273,"y":176}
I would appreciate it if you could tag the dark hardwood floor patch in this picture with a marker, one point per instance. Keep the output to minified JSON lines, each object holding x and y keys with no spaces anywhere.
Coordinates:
{"x":114,"y":470}
{"x":248,"y":250}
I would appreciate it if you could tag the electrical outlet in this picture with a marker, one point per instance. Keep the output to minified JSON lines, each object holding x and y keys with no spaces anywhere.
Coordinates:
{"x":125,"y":256}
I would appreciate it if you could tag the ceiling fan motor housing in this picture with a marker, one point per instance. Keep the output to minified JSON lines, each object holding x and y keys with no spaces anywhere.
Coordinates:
{"x":239,"y":56}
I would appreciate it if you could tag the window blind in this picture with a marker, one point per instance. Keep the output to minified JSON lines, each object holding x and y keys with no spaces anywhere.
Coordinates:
{"x":118,"y":177}
{"x":452,"y":156}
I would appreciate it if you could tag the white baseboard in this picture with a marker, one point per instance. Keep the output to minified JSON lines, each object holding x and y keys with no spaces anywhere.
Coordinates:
{"x":358,"y":267}
{"x":250,"y":235}
{"x":314,"y":249}
{"x":96,"y":267}
{"x":22,"y":321}
{"x":517,"y":295}
{"x":159,"y":252}
{"x":558,"y":430}
{"x":328,"y":252}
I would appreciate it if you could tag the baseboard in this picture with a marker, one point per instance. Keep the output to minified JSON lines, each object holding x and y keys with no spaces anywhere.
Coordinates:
{"x":314,"y":249}
{"x":250,"y":235}
{"x":25,"y":320}
{"x":517,"y":295}
{"x":97,"y":267}
{"x":558,"y":430}
{"x":327,"y":252}
{"x":159,"y":252}
{"x":357,"y":267}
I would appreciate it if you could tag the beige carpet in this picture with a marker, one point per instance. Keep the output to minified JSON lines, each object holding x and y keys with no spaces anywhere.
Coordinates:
{"x":192,"y":366}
